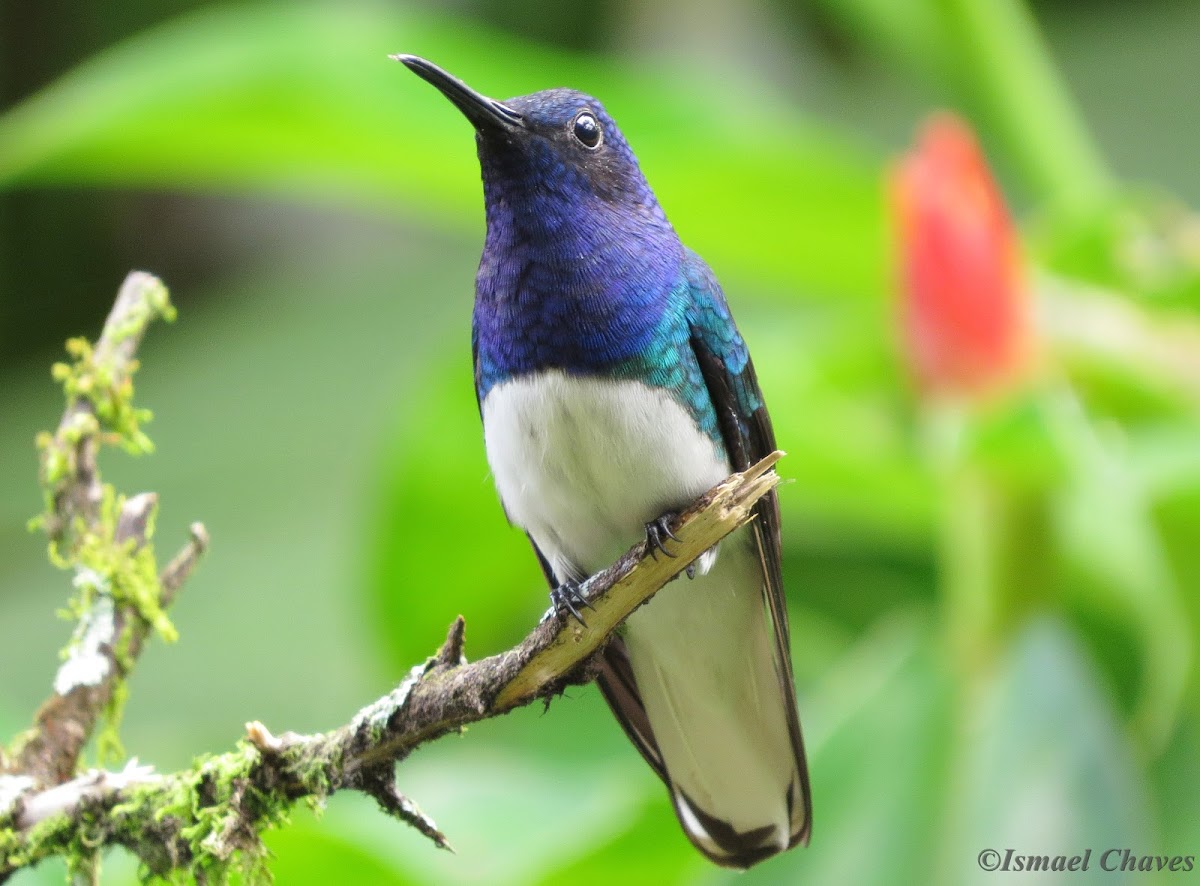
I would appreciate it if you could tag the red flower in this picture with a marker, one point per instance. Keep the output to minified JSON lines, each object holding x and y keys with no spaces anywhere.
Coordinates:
{"x":965,"y":308}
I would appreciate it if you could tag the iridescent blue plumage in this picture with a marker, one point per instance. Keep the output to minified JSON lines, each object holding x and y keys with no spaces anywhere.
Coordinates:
{"x":651,"y":338}
{"x":559,"y":284}
{"x":582,"y":272}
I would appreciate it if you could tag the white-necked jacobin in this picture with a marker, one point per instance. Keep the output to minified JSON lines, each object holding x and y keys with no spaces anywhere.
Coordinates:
{"x":615,"y":389}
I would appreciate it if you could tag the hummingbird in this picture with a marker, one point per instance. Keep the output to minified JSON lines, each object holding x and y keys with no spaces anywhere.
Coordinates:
{"x":614,"y":389}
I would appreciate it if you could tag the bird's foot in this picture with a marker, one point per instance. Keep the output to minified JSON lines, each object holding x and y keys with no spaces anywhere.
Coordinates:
{"x":657,"y":533}
{"x":567,"y":599}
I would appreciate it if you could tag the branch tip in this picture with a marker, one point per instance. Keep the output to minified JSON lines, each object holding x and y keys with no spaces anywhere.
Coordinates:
{"x":763,"y":465}
{"x":199,"y":536}
{"x":383,"y":788}
{"x":134,"y":519}
{"x":177,"y":571}
{"x":451,"y":653}
{"x":260,"y":736}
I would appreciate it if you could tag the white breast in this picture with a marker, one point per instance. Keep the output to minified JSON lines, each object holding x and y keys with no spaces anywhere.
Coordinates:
{"x":583,"y":464}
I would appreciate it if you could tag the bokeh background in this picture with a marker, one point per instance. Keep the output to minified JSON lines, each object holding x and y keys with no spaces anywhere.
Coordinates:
{"x":993,"y":596}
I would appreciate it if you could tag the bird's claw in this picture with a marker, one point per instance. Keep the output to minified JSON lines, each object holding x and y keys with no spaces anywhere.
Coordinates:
{"x":657,"y":532}
{"x":567,"y":599}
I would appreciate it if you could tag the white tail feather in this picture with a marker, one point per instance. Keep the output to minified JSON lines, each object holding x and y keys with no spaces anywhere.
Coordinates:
{"x":703,"y":655}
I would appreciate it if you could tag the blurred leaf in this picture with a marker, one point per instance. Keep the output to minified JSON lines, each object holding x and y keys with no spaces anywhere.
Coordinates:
{"x":911,"y":32}
{"x":300,"y":98}
{"x":1176,"y":780}
{"x":1014,"y":442}
{"x":1129,"y":359}
{"x":52,"y":872}
{"x":1165,"y":459}
{"x":1106,"y":529}
{"x":1043,"y":766}
{"x":840,"y":414}
{"x":1178,"y":516}
{"x":1044,"y":509}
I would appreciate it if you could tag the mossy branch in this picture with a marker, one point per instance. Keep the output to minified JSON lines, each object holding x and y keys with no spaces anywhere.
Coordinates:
{"x":103,"y":538}
{"x":207,"y":819}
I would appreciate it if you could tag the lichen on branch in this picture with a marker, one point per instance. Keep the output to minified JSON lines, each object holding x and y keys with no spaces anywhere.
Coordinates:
{"x":103,"y":538}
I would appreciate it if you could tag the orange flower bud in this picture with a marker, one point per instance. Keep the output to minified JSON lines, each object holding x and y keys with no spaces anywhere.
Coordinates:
{"x":965,"y":309}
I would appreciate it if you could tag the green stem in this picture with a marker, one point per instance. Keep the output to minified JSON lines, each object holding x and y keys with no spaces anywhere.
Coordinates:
{"x":970,"y":601}
{"x":969,"y":606}
{"x":1004,"y":63}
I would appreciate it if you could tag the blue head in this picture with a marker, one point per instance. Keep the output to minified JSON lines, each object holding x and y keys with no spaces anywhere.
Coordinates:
{"x":555,"y":165}
{"x":580,"y":259}
{"x":566,"y":172}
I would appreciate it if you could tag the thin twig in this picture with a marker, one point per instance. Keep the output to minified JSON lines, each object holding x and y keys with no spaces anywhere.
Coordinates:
{"x":175,"y":573}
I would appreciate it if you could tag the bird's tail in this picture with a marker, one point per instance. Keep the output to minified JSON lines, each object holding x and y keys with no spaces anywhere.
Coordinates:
{"x":702,"y":684}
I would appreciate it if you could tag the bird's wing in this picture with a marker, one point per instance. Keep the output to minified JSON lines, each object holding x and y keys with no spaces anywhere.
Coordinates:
{"x":746,"y":430}
{"x":619,"y":688}
{"x":478,"y":371}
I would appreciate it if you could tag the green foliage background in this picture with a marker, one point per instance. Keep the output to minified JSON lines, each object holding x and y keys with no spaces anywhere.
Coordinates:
{"x":993,"y":643}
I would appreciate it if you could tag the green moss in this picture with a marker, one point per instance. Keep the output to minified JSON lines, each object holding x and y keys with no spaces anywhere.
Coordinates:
{"x":108,"y":740}
{"x":123,"y":571}
{"x":9,"y":844}
{"x":311,"y":766}
{"x":113,"y":418}
{"x":45,"y":839}
{"x":131,"y":572}
{"x":217,"y":807}
{"x":155,"y":302}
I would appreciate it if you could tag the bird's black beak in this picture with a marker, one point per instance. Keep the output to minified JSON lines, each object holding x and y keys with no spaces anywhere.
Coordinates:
{"x":483,"y":112}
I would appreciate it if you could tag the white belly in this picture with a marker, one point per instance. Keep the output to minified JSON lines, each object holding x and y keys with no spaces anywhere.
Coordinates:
{"x":583,"y":464}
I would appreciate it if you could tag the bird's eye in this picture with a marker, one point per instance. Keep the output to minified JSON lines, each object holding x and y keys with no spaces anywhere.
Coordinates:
{"x":586,"y":129}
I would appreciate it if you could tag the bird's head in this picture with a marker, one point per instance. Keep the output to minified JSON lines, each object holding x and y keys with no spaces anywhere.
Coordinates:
{"x":555,"y":152}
